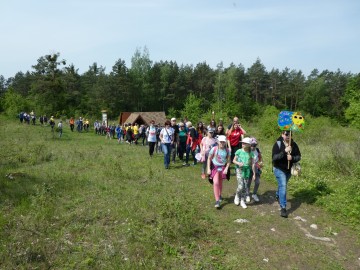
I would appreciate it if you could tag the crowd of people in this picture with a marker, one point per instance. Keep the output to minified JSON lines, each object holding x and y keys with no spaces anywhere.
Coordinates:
{"x":217,"y":148}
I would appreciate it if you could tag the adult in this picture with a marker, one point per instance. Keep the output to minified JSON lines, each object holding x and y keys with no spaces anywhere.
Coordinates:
{"x":235,"y":134}
{"x":217,"y":167}
{"x":72,"y":123}
{"x":33,"y":117}
{"x":219,"y":130}
{"x":212,"y":124}
{"x":191,"y":143}
{"x":151,"y":137}
{"x":167,"y":140}
{"x":52,"y":123}
{"x":60,"y":128}
{"x":142,"y":132}
{"x":21,"y":117}
{"x":118,"y":131}
{"x":175,"y":146}
{"x":182,"y":141}
{"x":129,"y":134}
{"x":136,"y":132}
{"x":284,"y":154}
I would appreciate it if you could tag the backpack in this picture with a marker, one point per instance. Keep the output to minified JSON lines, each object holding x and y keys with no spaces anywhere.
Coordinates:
{"x":212,"y":165}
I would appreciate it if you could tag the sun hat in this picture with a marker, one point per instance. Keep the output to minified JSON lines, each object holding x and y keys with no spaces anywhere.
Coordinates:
{"x":246,"y":140}
{"x":211,"y":129}
{"x":221,"y":138}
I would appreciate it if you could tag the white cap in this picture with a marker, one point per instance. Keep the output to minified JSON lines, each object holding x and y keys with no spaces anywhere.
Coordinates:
{"x":247,"y":140}
{"x":221,"y":138}
{"x":173,"y":119}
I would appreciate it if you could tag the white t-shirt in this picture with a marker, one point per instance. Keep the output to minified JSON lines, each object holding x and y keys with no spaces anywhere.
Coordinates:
{"x":151,"y":134}
{"x":167,"y":134}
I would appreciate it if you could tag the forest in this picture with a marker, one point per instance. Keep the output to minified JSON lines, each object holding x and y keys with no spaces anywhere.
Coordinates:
{"x":55,"y":87}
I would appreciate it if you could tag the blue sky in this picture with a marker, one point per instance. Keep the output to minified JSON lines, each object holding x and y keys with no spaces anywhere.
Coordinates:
{"x":300,"y":35}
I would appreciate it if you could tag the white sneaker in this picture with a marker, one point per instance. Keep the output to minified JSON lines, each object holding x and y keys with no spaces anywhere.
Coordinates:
{"x":237,"y":200}
{"x":248,"y":199}
{"x":255,"y":197}
{"x":243,"y":204}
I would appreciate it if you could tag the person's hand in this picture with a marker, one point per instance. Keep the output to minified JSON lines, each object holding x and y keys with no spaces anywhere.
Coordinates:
{"x":209,"y":172}
{"x":288,"y":149}
{"x":241,"y":164}
{"x":289,"y":157}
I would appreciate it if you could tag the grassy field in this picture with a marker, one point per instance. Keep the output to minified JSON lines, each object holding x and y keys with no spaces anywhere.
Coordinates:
{"x":83,"y":202}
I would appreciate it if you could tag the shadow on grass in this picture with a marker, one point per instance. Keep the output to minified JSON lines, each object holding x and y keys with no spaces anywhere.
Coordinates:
{"x":17,"y":187}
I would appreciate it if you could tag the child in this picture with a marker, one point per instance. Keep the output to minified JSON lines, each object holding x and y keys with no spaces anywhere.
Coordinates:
{"x":258,"y":165}
{"x":219,"y":157}
{"x":244,"y":162}
{"x":206,"y":144}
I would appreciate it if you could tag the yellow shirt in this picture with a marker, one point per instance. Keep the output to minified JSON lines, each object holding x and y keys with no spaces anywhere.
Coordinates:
{"x":136,"y":130}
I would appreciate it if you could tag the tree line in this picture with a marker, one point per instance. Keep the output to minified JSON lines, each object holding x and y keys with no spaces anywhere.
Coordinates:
{"x":53,"y":87}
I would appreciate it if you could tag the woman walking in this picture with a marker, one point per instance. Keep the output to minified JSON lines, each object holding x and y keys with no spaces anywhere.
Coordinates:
{"x":167,"y":139}
{"x":151,"y":137}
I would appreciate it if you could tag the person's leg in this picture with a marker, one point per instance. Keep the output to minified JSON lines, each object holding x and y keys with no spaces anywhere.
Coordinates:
{"x":193,"y":153}
{"x":173,"y":153}
{"x":217,"y":184}
{"x":151,"y":148}
{"x":204,"y":165}
{"x":257,"y":182}
{"x":282,"y":180}
{"x":169,"y":147}
{"x":239,"y":188}
{"x":187,"y":154}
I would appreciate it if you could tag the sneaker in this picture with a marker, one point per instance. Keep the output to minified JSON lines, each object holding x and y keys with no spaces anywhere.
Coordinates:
{"x":237,"y":200}
{"x":217,"y":205}
{"x":248,"y":199}
{"x":220,"y":199}
{"x":255,"y":197}
{"x":243,"y":204}
{"x":186,"y":164}
{"x":203,"y":176}
{"x":283,"y":213}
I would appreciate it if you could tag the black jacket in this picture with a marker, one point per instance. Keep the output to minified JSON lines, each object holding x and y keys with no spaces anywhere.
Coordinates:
{"x":279,"y":158}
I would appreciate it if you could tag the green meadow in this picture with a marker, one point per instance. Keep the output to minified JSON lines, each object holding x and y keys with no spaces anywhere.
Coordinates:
{"x":84,"y":202}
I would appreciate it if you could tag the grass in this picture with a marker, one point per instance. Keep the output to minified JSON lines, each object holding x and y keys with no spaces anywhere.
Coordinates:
{"x":81,"y":202}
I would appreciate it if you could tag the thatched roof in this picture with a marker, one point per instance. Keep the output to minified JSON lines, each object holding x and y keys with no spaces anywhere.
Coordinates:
{"x":142,"y":117}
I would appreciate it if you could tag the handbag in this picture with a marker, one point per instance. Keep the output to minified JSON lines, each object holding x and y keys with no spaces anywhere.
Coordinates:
{"x":296,"y":169}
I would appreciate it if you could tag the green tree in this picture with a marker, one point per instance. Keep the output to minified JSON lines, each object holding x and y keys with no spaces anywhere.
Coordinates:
{"x":316,"y":98}
{"x":193,"y":109}
{"x":258,"y":80}
{"x":13,"y":103}
{"x":352,"y":97}
{"x":47,"y":89}
{"x":139,"y":71}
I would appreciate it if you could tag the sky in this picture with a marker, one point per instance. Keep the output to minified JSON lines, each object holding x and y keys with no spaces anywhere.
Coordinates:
{"x":299,"y":35}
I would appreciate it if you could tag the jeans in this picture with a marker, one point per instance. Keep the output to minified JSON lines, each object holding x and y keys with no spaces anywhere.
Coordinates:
{"x":188,"y":150}
{"x":173,"y":152}
{"x":282,"y":179}
{"x":166,"y":148}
